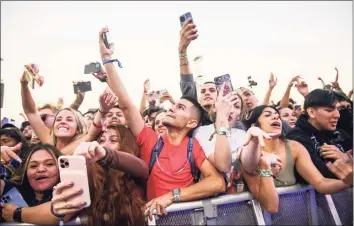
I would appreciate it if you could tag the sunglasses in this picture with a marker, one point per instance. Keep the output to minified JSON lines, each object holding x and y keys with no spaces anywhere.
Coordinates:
{"x":44,"y":116}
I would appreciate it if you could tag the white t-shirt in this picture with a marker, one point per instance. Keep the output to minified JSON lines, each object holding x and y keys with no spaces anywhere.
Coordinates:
{"x":203,"y":133}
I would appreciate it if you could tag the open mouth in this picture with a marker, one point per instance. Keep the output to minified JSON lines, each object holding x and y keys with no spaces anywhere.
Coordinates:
{"x":41,"y":178}
{"x":275,"y":124}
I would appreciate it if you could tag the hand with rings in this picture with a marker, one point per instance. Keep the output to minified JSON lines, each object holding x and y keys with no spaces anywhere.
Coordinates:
{"x":65,"y":200}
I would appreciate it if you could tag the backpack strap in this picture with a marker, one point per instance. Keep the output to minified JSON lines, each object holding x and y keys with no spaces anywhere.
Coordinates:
{"x":155,"y":153}
{"x":194,"y":170}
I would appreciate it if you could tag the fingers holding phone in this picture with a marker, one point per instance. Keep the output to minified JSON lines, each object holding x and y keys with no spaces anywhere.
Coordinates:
{"x":106,"y":45}
{"x":189,"y":32}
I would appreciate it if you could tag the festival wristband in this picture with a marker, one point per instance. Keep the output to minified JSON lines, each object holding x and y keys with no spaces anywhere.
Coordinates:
{"x":111,"y":61}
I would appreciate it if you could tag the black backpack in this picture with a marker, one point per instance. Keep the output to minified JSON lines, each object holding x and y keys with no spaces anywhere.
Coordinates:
{"x":158,"y":148}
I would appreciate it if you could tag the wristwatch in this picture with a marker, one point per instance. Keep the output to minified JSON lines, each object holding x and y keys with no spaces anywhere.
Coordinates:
{"x":18,"y":215}
{"x":176,"y":195}
{"x":223,"y":131}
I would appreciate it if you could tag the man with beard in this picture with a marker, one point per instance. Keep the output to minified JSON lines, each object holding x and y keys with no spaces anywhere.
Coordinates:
{"x":171,"y":179}
{"x":27,"y":130}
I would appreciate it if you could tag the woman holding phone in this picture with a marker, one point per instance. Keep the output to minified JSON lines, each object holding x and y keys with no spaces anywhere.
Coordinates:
{"x":69,"y":128}
{"x":117,"y":184}
{"x":34,"y":180}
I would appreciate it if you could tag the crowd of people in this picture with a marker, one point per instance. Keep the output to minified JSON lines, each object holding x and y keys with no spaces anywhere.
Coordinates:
{"x":144,"y":158}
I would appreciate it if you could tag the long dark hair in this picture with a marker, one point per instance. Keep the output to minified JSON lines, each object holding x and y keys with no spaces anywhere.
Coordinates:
{"x":17,"y":135}
{"x":20,"y":175}
{"x":116,"y":197}
{"x":252,"y":119}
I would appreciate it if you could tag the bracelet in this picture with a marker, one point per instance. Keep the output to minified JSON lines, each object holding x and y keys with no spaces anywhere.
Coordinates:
{"x":95,"y":125}
{"x":183,"y":55}
{"x":265,"y":172}
{"x":18,"y":215}
{"x":145,"y":91}
{"x":184,"y":63}
{"x":60,"y":216}
{"x":102,"y":112}
{"x":111,"y":61}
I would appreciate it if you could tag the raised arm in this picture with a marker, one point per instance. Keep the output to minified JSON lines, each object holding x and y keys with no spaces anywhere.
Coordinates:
{"x":29,"y":108}
{"x":302,"y":87}
{"x":132,"y":114}
{"x":187,"y":84}
{"x":323,"y":83}
{"x":143,"y":98}
{"x":78,"y":100}
{"x":285,"y":100}
{"x":272,"y":84}
{"x":310,"y":173}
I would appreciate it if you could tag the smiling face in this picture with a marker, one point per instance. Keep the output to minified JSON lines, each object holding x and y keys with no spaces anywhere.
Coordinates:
{"x":115,"y":117}
{"x":110,"y":139}
{"x":65,"y":125}
{"x":269,"y":121}
{"x":42,"y":171}
{"x":159,"y":128}
{"x":208,"y":95}
{"x":288,"y":115}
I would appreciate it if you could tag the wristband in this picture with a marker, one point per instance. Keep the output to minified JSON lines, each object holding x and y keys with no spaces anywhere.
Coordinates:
{"x":102,"y":112}
{"x":18,"y":215}
{"x":223,"y":131}
{"x":184,"y":63}
{"x":145,"y":91}
{"x":183,"y":55}
{"x":60,"y":216}
{"x":111,"y":61}
{"x":95,"y":125}
{"x":265,"y":172}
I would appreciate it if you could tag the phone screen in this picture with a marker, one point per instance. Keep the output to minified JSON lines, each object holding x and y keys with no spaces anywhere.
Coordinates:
{"x":184,"y":18}
{"x":223,"y":79}
{"x":82,"y":86}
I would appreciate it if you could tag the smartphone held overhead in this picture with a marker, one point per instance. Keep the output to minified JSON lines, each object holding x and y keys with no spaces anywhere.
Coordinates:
{"x":224,"y":79}
{"x":94,"y":67}
{"x":183,"y":19}
{"x":82,"y":87}
{"x":107,"y":39}
{"x":32,"y":75}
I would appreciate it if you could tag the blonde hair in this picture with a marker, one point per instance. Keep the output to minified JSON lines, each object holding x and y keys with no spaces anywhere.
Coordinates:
{"x":52,"y":107}
{"x":82,"y":127}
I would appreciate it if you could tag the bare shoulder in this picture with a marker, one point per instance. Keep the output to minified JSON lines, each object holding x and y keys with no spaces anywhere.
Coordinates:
{"x":296,"y":147}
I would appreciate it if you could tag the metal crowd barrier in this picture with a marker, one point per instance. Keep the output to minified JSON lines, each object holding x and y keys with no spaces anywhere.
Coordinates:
{"x":298,"y":205}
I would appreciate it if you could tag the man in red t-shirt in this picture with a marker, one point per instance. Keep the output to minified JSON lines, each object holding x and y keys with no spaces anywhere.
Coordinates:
{"x":171,"y":179}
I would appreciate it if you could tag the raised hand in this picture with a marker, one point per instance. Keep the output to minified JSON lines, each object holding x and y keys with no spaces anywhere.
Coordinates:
{"x":105,"y":53}
{"x":146,"y":85}
{"x":102,"y":75}
{"x":223,"y":106}
{"x":8,"y":153}
{"x":302,"y":87}
{"x":107,"y":101}
{"x":187,"y":34}
{"x":92,"y":151}
{"x":272,"y":81}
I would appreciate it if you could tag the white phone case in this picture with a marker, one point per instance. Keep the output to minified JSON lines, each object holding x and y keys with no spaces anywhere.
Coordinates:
{"x":73,"y":169}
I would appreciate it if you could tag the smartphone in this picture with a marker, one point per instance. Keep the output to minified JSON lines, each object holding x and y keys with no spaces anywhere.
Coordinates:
{"x":13,"y":196}
{"x":82,"y":86}
{"x":73,"y":169}
{"x":153,"y":98}
{"x":92,"y":68}
{"x":184,"y":18}
{"x":220,"y":80}
{"x":107,"y":39}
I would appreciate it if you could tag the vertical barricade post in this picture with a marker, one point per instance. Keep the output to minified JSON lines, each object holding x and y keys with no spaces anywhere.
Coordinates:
{"x":333,"y":210}
{"x":313,"y":207}
{"x":258,"y":212}
{"x":210,"y":212}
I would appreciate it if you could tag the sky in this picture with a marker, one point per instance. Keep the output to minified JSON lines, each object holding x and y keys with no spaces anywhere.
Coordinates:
{"x":237,"y":38}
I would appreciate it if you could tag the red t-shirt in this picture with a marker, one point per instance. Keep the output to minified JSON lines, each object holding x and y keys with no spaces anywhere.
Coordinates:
{"x":172,"y":158}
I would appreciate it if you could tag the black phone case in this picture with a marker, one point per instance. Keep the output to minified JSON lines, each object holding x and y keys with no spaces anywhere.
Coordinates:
{"x":92,"y":68}
{"x":83,"y":87}
{"x":105,"y":40}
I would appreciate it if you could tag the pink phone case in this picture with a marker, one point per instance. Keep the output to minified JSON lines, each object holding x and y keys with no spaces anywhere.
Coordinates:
{"x":73,"y":169}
